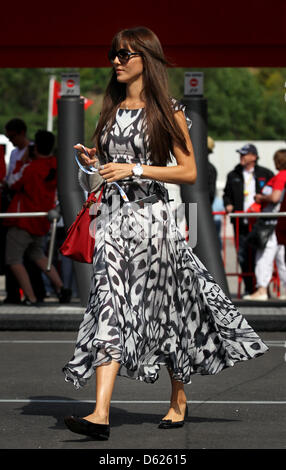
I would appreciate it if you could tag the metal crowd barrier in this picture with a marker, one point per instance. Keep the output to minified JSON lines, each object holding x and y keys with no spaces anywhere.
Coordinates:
{"x":238,"y":215}
{"x":267,"y":215}
{"x":53,"y":215}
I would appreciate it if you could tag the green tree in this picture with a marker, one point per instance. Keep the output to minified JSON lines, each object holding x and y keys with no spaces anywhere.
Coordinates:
{"x":243,"y":103}
{"x":24,"y":94}
{"x":235,"y":101}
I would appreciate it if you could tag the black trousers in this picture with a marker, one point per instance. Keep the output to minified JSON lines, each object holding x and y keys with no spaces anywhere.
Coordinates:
{"x":246,"y":258}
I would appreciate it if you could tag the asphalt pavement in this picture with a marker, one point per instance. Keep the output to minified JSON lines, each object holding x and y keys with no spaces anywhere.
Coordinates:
{"x":243,"y":407}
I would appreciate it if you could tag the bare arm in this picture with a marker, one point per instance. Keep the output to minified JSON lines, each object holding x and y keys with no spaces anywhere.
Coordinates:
{"x":274,"y":197}
{"x":185,"y":171}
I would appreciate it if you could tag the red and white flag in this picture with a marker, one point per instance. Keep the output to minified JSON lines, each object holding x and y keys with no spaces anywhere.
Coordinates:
{"x":87,"y":102}
{"x":56,"y":95}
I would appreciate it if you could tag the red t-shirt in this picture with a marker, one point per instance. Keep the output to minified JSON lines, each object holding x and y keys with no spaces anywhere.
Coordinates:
{"x":281,"y":224}
{"x":277,"y":182}
{"x":35,"y":186}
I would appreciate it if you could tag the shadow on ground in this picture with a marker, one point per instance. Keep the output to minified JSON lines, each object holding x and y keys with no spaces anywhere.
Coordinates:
{"x":119,"y":416}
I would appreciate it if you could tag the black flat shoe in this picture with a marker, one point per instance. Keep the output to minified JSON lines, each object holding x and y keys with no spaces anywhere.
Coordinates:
{"x":169,"y":424}
{"x":82,"y":426}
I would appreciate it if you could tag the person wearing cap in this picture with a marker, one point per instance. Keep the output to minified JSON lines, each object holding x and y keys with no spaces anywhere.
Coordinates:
{"x":243,"y":183}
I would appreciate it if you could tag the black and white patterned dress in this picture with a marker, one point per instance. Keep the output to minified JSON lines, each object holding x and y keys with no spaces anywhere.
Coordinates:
{"x":152,"y":302}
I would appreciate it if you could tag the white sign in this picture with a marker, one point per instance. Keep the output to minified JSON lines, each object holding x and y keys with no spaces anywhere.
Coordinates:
{"x":194,"y":83}
{"x":70,"y":84}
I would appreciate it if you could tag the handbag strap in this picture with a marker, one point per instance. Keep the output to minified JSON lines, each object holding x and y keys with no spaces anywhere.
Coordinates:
{"x":92,"y":198}
{"x":100,"y":195}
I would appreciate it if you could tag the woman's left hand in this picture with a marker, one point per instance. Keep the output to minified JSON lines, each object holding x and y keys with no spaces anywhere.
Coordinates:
{"x":115,"y":171}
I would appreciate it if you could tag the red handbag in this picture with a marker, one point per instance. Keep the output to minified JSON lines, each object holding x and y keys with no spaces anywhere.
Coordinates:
{"x":79,"y":244}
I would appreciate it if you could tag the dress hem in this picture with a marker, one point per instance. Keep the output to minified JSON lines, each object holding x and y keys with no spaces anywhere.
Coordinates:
{"x":79,"y":382}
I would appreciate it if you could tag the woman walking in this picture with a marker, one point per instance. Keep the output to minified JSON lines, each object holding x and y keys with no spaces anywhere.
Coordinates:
{"x":152,"y":302}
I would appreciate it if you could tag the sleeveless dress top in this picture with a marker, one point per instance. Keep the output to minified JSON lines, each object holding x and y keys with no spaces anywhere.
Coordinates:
{"x":152,"y":302}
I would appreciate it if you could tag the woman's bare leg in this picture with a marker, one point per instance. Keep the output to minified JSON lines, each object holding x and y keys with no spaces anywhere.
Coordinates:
{"x":105,"y":379}
{"x":178,"y":400}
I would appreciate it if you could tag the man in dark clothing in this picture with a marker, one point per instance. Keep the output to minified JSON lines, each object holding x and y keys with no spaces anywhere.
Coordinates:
{"x":243,"y":182}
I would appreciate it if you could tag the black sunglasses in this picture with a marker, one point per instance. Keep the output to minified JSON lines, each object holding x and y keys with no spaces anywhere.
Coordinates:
{"x":123,"y":55}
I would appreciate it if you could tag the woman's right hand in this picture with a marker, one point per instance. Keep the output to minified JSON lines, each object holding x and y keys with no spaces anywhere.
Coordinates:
{"x":83,"y":158}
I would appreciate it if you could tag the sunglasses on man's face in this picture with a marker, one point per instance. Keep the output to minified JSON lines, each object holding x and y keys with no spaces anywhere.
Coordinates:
{"x":123,"y":55}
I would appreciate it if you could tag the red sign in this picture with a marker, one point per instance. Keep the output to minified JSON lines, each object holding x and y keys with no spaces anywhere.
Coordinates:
{"x":70,"y":83}
{"x":57,"y":95}
{"x":194,"y":82}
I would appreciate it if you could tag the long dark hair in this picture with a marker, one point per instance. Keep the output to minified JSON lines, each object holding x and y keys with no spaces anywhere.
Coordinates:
{"x":162,"y":128}
{"x":280,"y":159}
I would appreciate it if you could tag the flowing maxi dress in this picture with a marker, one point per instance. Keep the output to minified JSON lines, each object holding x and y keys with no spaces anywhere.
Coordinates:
{"x":152,"y":302}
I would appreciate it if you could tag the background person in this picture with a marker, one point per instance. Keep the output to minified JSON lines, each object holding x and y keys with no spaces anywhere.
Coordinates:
{"x":34,"y":183}
{"x":271,"y":198}
{"x":281,"y":225}
{"x":212,"y":172}
{"x":243,"y":183}
{"x":16,"y":131}
{"x":215,"y":200}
